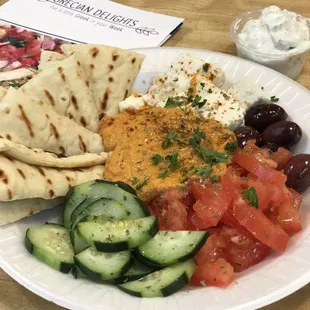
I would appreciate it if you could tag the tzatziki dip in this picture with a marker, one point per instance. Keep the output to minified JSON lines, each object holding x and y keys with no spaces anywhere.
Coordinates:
{"x":277,"y":38}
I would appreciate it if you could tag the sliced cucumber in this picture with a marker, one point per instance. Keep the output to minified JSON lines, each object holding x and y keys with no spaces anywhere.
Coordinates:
{"x":109,"y":208}
{"x":101,"y":266}
{"x":170,"y":247}
{"x":114,"y":236}
{"x":79,"y":244}
{"x":136,"y":271}
{"x":75,"y":196}
{"x":77,"y":273}
{"x":50,"y":243}
{"x":163,"y":282}
{"x":110,"y":190}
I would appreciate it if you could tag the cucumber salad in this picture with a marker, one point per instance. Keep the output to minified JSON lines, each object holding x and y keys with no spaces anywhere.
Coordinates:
{"x":109,"y":236}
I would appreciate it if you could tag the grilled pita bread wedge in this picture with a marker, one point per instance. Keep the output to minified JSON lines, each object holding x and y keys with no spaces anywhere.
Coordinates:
{"x":40,"y":158}
{"x":28,"y":121}
{"x":21,"y":181}
{"x":110,"y":71}
{"x":49,"y":58}
{"x":12,"y":211}
{"x":64,"y":87}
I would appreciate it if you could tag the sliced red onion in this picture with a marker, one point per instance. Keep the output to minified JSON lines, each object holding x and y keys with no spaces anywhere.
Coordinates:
{"x":48,"y":44}
{"x":12,"y":66}
{"x":19,"y":30}
{"x":3,"y":63}
{"x":4,"y":43}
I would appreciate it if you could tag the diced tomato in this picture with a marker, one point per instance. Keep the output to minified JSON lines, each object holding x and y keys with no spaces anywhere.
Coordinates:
{"x":195,"y":220}
{"x":264,"y":193}
{"x":254,"y":162}
{"x":28,"y":62}
{"x":23,"y":35}
{"x":10,"y":52}
{"x":33,"y":48}
{"x":288,"y":216}
{"x":243,"y":250}
{"x":259,"y":225}
{"x":213,"y":248}
{"x":171,"y":210}
{"x":214,"y":201}
{"x":219,"y":273}
{"x":281,"y":157}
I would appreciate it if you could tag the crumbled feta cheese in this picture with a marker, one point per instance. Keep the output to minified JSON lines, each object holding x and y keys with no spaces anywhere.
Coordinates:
{"x":247,"y":92}
{"x":135,"y":101}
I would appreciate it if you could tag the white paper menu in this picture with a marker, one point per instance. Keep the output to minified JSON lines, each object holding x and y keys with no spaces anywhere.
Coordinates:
{"x":91,"y":21}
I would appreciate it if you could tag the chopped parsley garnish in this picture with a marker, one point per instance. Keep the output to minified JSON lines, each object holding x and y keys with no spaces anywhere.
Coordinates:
{"x":163,"y":174}
{"x":184,"y":172}
{"x":191,"y":90}
{"x":205,"y":67}
{"x":156,"y":159}
{"x":210,"y":91}
{"x":141,"y":185}
{"x":202,"y":85}
{"x":212,"y":157}
{"x":230,"y":147}
{"x":198,"y":135}
{"x":134,"y":180}
{"x":15,"y":42}
{"x":214,"y":179}
{"x":251,"y":196}
{"x":171,"y":103}
{"x":202,"y":171}
{"x":172,"y":135}
{"x":197,"y":103}
{"x":173,"y":161}
{"x":274,"y":99}
{"x":15,"y":84}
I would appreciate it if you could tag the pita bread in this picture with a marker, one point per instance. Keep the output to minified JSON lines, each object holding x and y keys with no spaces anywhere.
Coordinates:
{"x":22,"y":181}
{"x":64,"y":88}
{"x":27,"y":121}
{"x":110,"y":71}
{"x":40,"y":158}
{"x":12,"y":211}
{"x":3,"y":92}
{"x":47,"y":59}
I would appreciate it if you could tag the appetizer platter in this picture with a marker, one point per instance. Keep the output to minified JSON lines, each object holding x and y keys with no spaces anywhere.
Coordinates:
{"x":160,"y":172}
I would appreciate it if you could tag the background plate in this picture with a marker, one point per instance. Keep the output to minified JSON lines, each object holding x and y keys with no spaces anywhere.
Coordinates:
{"x":269,"y":281}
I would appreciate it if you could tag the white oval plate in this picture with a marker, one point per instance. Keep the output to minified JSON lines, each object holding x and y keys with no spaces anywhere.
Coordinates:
{"x":267,"y":282}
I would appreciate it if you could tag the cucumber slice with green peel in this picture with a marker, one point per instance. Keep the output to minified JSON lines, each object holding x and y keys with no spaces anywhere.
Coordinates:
{"x":78,"y":243}
{"x":163,"y":282}
{"x":106,"y":207}
{"x":121,"y":185}
{"x":170,"y":247}
{"x":114,"y":236}
{"x":50,"y":243}
{"x":77,"y":273}
{"x":75,"y":196}
{"x":100,"y":266}
{"x":136,"y":271}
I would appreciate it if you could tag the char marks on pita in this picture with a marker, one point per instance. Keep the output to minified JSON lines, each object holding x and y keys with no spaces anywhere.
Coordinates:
{"x":21,"y":181}
{"x":45,"y":159}
{"x":63,"y":87}
{"x":30,"y":122}
{"x":110,"y":71}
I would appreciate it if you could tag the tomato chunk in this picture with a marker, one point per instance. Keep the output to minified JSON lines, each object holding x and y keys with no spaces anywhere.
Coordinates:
{"x":281,"y":157}
{"x":219,"y":273}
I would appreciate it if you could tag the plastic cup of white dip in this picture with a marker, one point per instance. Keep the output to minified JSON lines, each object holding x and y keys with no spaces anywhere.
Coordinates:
{"x":289,"y":63}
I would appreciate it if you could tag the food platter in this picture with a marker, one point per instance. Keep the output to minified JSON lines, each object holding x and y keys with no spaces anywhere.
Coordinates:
{"x":272,"y":279}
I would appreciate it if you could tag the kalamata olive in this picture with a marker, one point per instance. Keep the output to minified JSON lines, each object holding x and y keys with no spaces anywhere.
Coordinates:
{"x":284,"y":133}
{"x":271,"y":146}
{"x":262,"y":115}
{"x":297,"y":170}
{"x":246,"y":133}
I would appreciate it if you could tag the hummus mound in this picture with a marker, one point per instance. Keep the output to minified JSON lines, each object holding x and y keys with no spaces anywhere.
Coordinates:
{"x":145,"y":157}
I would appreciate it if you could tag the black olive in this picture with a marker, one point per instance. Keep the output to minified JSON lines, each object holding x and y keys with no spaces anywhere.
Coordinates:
{"x":262,"y":115}
{"x":246,"y":133}
{"x":297,"y":170}
{"x":284,"y":133}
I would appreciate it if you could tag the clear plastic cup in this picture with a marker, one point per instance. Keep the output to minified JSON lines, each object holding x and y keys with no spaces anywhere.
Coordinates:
{"x":289,"y":63}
